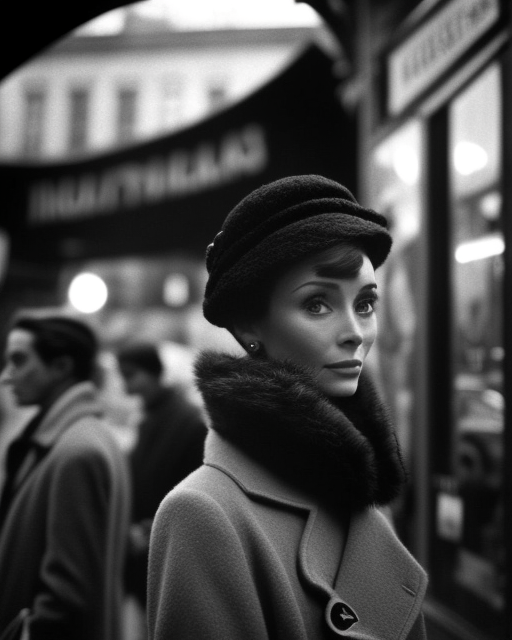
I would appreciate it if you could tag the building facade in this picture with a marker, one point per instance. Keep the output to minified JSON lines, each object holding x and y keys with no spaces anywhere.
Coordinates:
{"x":89,"y":94}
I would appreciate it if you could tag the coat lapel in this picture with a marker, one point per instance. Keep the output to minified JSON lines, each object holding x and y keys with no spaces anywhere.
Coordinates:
{"x":379,"y":580}
{"x":75,"y":403}
{"x":78,"y":401}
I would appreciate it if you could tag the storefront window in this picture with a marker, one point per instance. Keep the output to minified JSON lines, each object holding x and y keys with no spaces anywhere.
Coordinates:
{"x":395,"y":190}
{"x":469,"y":506}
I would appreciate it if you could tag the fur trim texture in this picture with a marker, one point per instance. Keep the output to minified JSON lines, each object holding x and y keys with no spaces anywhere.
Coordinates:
{"x":345,"y":448}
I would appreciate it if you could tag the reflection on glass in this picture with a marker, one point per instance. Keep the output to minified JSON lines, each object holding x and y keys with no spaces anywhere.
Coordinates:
{"x":476,"y":581}
{"x":395,"y":183}
{"x":395,"y":191}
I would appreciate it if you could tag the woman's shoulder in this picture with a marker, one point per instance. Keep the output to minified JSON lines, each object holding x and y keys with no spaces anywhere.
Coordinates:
{"x":205,"y":502}
{"x":207,"y":483}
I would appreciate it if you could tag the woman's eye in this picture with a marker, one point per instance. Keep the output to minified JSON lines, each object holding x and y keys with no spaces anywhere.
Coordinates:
{"x":366,"y":307}
{"x":316,"y":306}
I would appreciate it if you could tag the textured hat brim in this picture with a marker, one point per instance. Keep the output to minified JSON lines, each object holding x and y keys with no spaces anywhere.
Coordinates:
{"x":285,"y":247}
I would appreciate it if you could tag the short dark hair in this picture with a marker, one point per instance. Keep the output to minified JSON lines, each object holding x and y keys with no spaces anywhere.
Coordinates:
{"x":143,"y":355}
{"x":56,"y":336}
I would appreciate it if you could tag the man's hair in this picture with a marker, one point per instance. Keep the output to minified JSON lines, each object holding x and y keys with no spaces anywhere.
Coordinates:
{"x":143,"y":355}
{"x":56,"y":336}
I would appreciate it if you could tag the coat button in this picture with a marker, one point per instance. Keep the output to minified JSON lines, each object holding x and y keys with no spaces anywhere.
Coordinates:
{"x":340,"y":616}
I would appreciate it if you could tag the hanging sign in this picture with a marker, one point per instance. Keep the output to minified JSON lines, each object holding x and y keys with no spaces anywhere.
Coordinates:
{"x":434,"y":47}
{"x":144,"y":181}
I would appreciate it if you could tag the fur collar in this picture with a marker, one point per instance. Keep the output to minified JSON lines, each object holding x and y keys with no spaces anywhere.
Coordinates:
{"x":345,"y":448}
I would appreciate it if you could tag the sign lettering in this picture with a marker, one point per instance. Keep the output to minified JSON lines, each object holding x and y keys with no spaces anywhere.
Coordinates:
{"x":134,"y":184}
{"x":430,"y":51}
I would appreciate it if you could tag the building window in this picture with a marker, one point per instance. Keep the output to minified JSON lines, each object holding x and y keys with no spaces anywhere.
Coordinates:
{"x":35,"y":101}
{"x":172,"y":104}
{"x":79,"y":119}
{"x":126,"y":115}
{"x":217,"y":96}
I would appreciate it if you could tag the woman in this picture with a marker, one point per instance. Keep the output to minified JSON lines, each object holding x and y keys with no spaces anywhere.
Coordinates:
{"x":278,"y":534}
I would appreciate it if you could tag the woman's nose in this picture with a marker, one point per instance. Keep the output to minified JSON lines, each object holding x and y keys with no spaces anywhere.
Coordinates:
{"x":350,"y":329}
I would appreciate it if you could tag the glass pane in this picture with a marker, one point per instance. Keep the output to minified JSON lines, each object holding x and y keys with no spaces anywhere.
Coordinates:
{"x":395,"y":184}
{"x":475,"y":581}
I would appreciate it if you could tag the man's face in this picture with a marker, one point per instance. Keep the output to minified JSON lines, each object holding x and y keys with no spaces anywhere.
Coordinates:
{"x":31,"y":380}
{"x":138,"y":382}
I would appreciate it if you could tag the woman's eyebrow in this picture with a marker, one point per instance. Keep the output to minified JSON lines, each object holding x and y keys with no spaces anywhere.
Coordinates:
{"x":369,"y":287}
{"x":320,"y":283}
{"x":333,"y":285}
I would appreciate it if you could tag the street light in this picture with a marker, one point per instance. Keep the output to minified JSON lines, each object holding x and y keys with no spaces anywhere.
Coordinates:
{"x":87,"y":293}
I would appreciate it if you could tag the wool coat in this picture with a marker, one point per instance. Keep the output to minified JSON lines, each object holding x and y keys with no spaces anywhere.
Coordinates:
{"x":263,"y":542}
{"x":63,"y":537}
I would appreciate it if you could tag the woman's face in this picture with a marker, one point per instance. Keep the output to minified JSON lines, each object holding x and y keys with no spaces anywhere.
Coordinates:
{"x":325,"y":322}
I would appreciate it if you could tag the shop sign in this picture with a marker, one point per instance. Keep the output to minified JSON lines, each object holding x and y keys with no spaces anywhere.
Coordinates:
{"x":434,"y":47}
{"x":144,"y":182}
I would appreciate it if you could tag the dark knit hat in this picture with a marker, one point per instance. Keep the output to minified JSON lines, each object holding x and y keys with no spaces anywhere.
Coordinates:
{"x":278,"y":224}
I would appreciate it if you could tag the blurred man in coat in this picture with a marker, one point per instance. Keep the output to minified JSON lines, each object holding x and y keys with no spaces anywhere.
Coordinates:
{"x":169,"y":446}
{"x":65,"y":500}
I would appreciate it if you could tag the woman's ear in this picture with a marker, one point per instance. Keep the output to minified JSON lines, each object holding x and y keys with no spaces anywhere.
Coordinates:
{"x":246,"y":333}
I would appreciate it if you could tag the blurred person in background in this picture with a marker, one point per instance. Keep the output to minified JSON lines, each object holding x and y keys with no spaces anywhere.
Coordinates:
{"x":169,"y":445}
{"x":65,"y":501}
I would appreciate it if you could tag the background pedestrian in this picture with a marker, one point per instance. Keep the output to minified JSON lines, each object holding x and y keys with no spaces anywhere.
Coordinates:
{"x":65,"y":502}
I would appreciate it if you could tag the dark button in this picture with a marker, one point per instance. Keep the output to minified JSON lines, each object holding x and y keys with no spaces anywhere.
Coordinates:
{"x":340,"y":616}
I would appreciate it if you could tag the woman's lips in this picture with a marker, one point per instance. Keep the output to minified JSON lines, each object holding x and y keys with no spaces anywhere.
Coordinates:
{"x":345,"y":364}
{"x":346,"y":367}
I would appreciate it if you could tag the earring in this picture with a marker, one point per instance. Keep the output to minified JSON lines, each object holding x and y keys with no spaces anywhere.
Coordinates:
{"x":254,"y":346}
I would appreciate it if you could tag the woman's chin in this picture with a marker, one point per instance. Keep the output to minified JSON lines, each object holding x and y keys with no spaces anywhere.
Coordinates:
{"x":340,"y":388}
